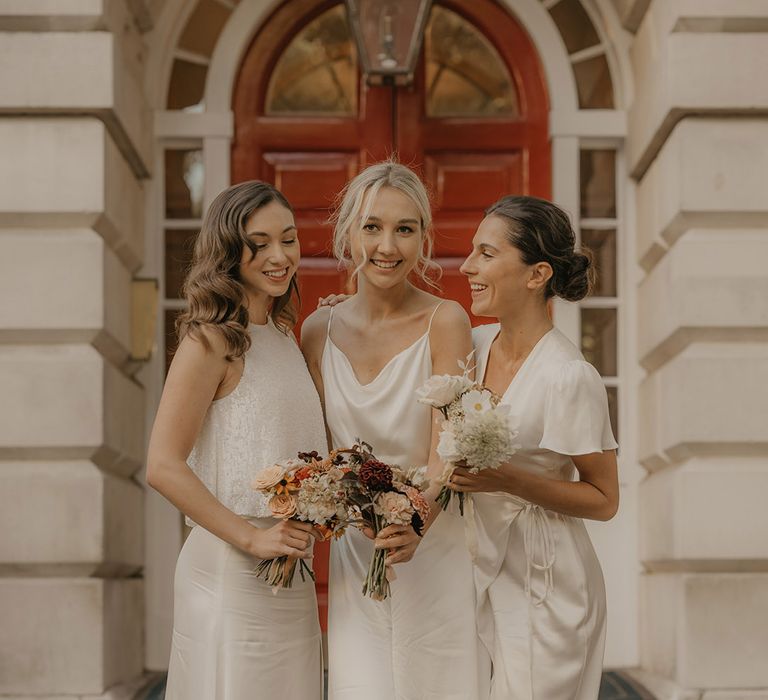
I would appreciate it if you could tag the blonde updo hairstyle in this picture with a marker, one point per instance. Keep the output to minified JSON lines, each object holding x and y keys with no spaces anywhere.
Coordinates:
{"x":355,"y":204}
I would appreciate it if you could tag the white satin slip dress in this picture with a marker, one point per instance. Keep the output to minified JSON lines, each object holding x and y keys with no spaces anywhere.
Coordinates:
{"x":233,"y":638}
{"x":421,"y":643}
{"x":541,"y":596}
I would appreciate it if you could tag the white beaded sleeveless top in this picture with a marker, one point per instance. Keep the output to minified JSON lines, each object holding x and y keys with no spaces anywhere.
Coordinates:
{"x":273,"y":413}
{"x":385,"y":411}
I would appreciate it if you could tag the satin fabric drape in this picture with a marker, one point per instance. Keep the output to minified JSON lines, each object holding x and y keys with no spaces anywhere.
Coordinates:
{"x":233,"y":637}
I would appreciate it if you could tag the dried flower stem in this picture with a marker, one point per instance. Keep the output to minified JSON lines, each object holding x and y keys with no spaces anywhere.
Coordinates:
{"x":279,"y":572}
{"x":376,"y":582}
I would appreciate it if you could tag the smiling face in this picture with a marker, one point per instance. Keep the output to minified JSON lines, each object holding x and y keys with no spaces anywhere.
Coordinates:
{"x":267,"y":270}
{"x":499,"y":279}
{"x":385,"y":246}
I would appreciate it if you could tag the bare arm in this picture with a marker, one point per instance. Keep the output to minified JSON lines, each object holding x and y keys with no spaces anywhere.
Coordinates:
{"x":314,"y":332}
{"x":594,"y":496}
{"x":195,"y":377}
{"x":450,"y":340}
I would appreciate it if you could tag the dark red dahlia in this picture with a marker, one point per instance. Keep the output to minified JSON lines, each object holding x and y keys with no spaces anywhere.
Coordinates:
{"x":376,"y":475}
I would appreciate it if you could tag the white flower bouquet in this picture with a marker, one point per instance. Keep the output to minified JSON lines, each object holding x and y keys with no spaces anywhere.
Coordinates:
{"x":477,"y":431}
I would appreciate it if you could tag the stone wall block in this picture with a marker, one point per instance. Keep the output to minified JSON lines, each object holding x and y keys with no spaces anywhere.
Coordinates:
{"x":67,"y":173}
{"x":68,"y":401}
{"x":79,"y":72}
{"x":695,"y":618}
{"x":711,"y":285}
{"x":708,"y":175}
{"x":86,"y":289}
{"x":688,"y":405}
{"x":693,"y":58}
{"x":92,"y":525}
{"x":706,"y":514}
{"x":63,"y":636}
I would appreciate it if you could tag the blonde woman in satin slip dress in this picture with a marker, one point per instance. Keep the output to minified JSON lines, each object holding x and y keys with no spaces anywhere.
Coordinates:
{"x":368,"y":356}
{"x":541,"y":597}
{"x":238,"y":398}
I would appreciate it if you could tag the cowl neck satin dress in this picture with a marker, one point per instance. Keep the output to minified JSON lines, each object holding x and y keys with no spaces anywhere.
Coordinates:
{"x":421,"y":643}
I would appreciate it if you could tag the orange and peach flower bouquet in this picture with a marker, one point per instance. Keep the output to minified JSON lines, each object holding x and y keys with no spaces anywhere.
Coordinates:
{"x":349,"y":487}
{"x":308,"y":489}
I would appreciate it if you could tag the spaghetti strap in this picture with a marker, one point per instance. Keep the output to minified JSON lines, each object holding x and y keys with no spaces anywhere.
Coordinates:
{"x":328,"y":327}
{"x":434,"y":311}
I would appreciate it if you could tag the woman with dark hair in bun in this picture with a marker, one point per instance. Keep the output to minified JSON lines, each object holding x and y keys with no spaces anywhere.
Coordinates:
{"x":541,"y":597}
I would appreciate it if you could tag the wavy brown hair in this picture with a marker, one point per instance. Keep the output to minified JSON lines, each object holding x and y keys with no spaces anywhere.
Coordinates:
{"x":213,"y":288}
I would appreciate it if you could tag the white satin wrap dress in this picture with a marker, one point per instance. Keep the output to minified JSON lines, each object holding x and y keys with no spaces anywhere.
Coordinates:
{"x":421,"y":643}
{"x":233,"y":638}
{"x":540,"y":590}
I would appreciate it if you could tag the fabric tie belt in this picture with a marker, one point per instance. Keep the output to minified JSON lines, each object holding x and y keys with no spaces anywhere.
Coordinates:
{"x":539,"y":541}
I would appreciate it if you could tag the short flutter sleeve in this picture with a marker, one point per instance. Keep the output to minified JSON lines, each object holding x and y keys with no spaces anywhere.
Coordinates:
{"x":576,"y":419}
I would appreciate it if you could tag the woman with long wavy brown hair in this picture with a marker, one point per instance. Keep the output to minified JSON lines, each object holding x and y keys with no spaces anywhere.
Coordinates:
{"x":238,"y":397}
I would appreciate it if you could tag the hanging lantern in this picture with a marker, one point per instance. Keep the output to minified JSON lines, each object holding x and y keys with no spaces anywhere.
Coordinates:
{"x":388,"y":34}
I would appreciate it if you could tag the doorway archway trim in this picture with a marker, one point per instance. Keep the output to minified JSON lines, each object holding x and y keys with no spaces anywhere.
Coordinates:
{"x":248,"y":17}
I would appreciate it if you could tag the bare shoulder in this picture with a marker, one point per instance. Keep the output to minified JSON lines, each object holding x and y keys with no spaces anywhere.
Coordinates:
{"x":206,"y":345}
{"x":450,"y":338}
{"x":451,"y":318}
{"x":314,"y":329}
{"x":200,"y":362}
{"x":205,"y":339}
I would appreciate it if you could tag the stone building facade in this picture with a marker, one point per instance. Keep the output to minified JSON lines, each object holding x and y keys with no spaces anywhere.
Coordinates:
{"x":87,"y":553}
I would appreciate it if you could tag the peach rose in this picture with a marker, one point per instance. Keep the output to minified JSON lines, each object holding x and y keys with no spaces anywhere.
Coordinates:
{"x":418,"y":502}
{"x":395,"y":507}
{"x":283,"y":505}
{"x":268,"y":478}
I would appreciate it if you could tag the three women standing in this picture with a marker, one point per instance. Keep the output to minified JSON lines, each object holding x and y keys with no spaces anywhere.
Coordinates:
{"x":238,"y":395}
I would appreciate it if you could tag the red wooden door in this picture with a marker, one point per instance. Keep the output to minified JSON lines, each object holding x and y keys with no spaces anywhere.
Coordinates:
{"x":467,"y":157}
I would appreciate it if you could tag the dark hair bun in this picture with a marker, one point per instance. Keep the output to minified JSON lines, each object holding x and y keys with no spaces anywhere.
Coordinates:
{"x":542,"y":232}
{"x":573,"y":277}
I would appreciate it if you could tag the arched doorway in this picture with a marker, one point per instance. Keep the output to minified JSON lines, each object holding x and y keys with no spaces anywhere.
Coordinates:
{"x":196,"y":64}
{"x":474,"y":124}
